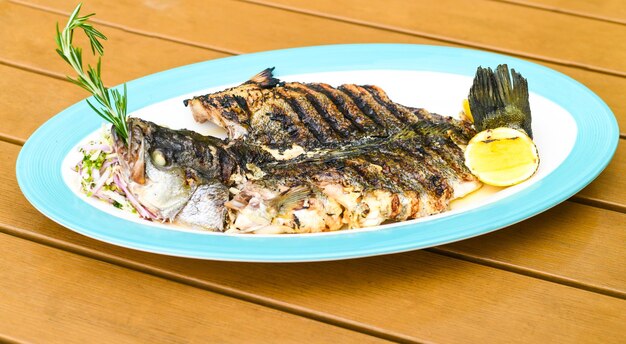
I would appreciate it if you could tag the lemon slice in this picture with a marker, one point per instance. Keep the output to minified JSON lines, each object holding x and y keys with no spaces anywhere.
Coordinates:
{"x":467,"y":111}
{"x":502,"y":156}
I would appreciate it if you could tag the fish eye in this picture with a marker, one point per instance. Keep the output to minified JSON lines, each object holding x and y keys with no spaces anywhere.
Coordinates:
{"x":158,"y":158}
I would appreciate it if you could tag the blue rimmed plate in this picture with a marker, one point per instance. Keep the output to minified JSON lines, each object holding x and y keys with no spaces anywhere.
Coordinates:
{"x":576,"y":134}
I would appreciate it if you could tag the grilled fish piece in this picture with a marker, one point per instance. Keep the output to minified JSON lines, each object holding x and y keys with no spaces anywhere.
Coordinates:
{"x":182,"y":176}
{"x":293,"y":115}
{"x":305,"y":157}
{"x":413,"y":173}
{"x":176,"y":174}
{"x":313,"y":127}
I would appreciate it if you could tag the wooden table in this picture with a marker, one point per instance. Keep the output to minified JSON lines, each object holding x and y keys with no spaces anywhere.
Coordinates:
{"x":558,"y":277}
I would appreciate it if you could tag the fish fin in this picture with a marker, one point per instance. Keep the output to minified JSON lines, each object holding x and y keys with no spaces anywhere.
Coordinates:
{"x":289,"y":199}
{"x":265,"y":78}
{"x":500,"y":99}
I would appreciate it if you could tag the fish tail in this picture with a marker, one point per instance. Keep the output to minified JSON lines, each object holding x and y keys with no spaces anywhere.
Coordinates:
{"x":500,"y":99}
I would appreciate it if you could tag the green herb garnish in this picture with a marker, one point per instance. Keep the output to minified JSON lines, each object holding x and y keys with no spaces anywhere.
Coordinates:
{"x":113,"y":103}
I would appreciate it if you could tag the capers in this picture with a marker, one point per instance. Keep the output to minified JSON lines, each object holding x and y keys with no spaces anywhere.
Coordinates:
{"x":158,"y":158}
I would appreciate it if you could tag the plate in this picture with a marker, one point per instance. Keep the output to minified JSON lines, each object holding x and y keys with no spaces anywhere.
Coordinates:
{"x":574,"y":129}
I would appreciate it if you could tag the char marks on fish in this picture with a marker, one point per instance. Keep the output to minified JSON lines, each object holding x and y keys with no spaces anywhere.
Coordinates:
{"x":364,"y":158}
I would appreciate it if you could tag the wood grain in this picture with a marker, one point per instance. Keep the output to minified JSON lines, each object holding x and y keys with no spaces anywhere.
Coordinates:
{"x":295,"y":30}
{"x":522,"y":29}
{"x":127,"y":57}
{"x":29,"y":99}
{"x":570,"y":242}
{"x":606,"y":10}
{"x":52,"y":296}
{"x":609,"y":189}
{"x":412,"y":296}
{"x":517,"y":29}
{"x":396,"y":292}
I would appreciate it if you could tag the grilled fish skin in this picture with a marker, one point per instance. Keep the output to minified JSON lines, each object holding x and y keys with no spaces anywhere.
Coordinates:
{"x":279,"y":115}
{"x":181,"y":176}
{"x":414,"y":173}
{"x":300,"y":157}
{"x":312,"y":128}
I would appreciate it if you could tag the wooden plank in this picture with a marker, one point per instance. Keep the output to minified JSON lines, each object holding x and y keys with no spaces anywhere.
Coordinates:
{"x":415,"y":295}
{"x":607,"y":10}
{"x":609,"y":188}
{"x":29,"y":99}
{"x":127,"y":56}
{"x":230,"y":25}
{"x":417,"y":268}
{"x":52,"y":296}
{"x":295,"y":30}
{"x":517,"y":30}
{"x":571,"y":242}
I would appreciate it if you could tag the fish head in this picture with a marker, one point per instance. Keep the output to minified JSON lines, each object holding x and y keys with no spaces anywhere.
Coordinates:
{"x":172,"y":172}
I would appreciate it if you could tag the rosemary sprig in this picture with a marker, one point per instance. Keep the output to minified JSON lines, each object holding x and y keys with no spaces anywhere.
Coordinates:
{"x":112,"y":102}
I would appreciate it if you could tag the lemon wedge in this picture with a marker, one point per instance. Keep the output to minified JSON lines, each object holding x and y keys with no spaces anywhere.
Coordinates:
{"x":467,"y":111}
{"x":502,"y":156}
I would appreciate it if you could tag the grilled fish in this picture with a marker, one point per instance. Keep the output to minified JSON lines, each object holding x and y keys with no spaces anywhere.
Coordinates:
{"x":293,"y":117}
{"x":415,"y":170}
{"x":414,"y":173}
{"x":301,"y":158}
{"x":182,"y":176}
